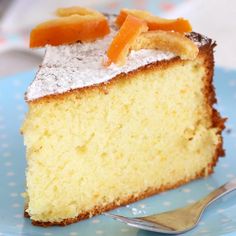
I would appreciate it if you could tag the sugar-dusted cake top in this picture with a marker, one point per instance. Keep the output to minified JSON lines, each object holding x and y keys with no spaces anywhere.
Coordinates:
{"x":78,"y":65}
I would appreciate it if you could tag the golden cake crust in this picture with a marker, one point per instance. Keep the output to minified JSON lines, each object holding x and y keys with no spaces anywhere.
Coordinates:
{"x":206,"y":52}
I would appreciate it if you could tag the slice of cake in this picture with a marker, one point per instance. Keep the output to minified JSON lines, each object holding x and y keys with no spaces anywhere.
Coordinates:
{"x":98,"y":137}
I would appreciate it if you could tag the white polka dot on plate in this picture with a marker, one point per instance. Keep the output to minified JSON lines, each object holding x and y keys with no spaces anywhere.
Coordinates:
{"x":124,"y":230}
{"x":230,"y":176}
{"x":11,"y":184}
{"x":47,"y":234}
{"x":201,"y":223}
{"x":13,"y":194}
{"x":3,"y":136}
{"x":18,"y":216}
{"x":230,"y":227}
{"x":96,"y":221}
{"x":6,"y":154}
{"x":135,"y":211}
{"x":210,"y":188}
{"x":19,"y":225}
{"x":73,"y":234}
{"x":8,"y":163}
{"x":220,"y":210}
{"x":204,"y":231}
{"x":15,"y":205}
{"x":186,"y":190}
{"x":11,"y":173}
{"x":166,"y":203}
{"x":99,"y":232}
{"x":232,"y":83}
{"x":4,"y":145}
{"x":142,"y":206}
{"x":225,"y":165}
{"x":224,"y":220}
{"x":190,"y":201}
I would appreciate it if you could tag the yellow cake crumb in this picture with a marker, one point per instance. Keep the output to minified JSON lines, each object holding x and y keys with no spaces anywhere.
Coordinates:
{"x":88,"y":148}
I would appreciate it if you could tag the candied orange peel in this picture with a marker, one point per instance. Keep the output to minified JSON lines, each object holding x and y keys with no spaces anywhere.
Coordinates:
{"x":125,"y":38}
{"x":73,"y":24}
{"x":167,"y":41}
{"x":180,"y":25}
{"x":162,"y":34}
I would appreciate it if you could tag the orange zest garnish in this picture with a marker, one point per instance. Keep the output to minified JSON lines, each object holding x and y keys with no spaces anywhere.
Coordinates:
{"x":180,"y":25}
{"x":126,"y":36}
{"x":73,"y":24}
{"x":167,"y":41}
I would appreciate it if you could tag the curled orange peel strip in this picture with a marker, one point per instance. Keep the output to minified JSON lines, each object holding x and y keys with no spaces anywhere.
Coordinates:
{"x":180,"y":25}
{"x":167,"y":41}
{"x":73,"y":24}
{"x":122,"y":42}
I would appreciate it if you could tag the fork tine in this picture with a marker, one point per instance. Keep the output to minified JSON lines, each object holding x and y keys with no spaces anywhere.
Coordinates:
{"x":128,"y":220}
{"x":140,"y":223}
{"x":120,"y":218}
{"x":116,"y":217}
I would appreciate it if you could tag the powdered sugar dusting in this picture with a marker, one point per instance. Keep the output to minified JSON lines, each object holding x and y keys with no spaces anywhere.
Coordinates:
{"x":79,"y":65}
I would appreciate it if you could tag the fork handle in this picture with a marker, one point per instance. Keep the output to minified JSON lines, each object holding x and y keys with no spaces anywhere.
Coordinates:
{"x":219,"y":192}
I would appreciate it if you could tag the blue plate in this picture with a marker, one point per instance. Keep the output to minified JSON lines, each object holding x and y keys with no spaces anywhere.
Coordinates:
{"x":220,"y":218}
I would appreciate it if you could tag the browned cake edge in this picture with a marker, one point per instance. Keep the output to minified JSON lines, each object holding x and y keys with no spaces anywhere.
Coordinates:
{"x":206,"y":52}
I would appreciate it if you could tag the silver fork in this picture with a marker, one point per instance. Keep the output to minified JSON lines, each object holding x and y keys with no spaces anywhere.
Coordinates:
{"x":180,"y":220}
